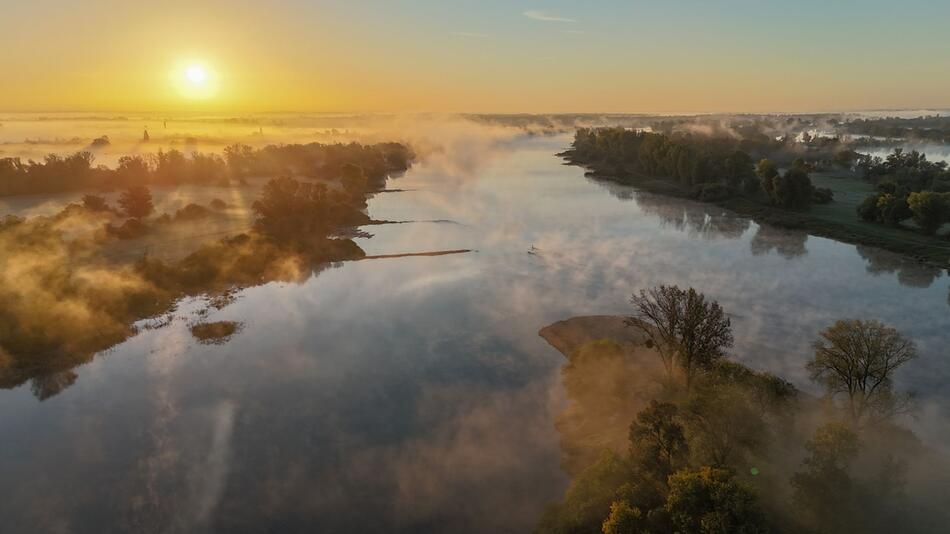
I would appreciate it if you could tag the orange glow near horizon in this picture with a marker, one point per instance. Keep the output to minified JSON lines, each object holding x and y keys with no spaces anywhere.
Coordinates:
{"x":487,"y":57}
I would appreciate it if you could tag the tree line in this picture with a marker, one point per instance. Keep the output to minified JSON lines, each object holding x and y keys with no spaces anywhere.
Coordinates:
{"x":709,"y":168}
{"x":929,"y":128}
{"x":77,"y":172}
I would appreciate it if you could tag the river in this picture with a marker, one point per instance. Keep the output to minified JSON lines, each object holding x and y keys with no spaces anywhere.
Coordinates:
{"x":414,"y":394}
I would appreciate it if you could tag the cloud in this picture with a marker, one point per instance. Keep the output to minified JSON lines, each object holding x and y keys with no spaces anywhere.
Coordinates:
{"x":574,"y":32}
{"x":541,"y":15}
{"x":472,"y":34}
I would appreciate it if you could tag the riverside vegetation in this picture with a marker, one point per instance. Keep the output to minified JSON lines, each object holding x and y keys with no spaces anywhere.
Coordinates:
{"x":738,"y":174}
{"x":62,"y":300}
{"x":665,"y":434}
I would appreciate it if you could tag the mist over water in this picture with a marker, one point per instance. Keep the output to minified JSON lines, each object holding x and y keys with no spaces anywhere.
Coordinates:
{"x":413,"y":394}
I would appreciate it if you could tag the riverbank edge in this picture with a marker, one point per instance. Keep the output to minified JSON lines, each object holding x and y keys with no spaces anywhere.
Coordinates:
{"x":937,"y":254}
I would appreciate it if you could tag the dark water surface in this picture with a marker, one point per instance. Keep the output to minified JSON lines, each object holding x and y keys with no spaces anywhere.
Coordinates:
{"x":413,"y":394}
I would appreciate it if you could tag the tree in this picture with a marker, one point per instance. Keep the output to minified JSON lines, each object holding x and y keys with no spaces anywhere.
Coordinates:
{"x":930,"y":210}
{"x":823,"y":488}
{"x":767,"y":172}
{"x":688,"y":332}
{"x":239,"y":158}
{"x":792,"y":190}
{"x":132,"y":170}
{"x":657,"y":440}
{"x":136,"y":202}
{"x":710,"y":500}
{"x":892,"y":209}
{"x":867,"y":209}
{"x":857,"y":359}
{"x":845,"y":158}
{"x":623,"y":519}
{"x":289,"y":209}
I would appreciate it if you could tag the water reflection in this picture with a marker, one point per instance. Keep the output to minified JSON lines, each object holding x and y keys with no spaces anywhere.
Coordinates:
{"x":702,"y":221}
{"x":789,"y":244}
{"x":910,"y":273}
{"x":413,"y":394}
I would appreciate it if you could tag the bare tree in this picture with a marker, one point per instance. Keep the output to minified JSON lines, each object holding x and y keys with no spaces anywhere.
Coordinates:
{"x":857,"y":359}
{"x":689,"y":333}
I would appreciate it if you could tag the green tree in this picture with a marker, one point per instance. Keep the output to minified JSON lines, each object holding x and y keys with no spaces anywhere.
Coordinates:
{"x":930,"y":210}
{"x":892,"y":209}
{"x":689,"y":333}
{"x":623,"y":519}
{"x":856,"y":360}
{"x":792,"y":190}
{"x":136,"y":202}
{"x":657,"y":440}
{"x":767,"y":172}
{"x":710,"y":501}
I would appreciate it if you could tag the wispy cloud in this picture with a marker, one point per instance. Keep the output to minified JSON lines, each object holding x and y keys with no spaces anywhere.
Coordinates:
{"x":546,"y":17}
{"x":574,"y":32}
{"x":472,"y":34}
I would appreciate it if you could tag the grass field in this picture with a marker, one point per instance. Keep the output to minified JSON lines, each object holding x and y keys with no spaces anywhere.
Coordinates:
{"x":850,"y":191}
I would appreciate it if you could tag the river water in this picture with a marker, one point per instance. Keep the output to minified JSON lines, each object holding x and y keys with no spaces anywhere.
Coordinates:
{"x":414,"y":394}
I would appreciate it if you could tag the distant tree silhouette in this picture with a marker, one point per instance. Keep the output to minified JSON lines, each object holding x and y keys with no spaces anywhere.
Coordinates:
{"x":136,"y":202}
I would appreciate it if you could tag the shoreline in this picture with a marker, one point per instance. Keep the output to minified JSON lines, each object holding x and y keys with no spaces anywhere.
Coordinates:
{"x":923,"y":249}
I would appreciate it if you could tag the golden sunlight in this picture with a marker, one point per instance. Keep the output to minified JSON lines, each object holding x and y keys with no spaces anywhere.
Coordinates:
{"x":195,"y":80}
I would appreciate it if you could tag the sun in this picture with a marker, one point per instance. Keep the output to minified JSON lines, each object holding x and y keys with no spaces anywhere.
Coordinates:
{"x":197,"y":75}
{"x":195,"y":80}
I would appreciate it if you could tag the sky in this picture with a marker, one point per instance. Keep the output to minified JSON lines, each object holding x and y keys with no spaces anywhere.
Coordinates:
{"x":488,"y":56}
